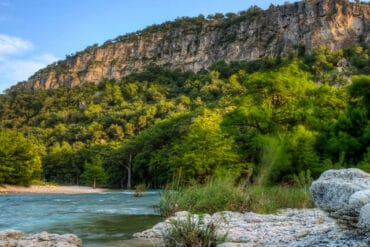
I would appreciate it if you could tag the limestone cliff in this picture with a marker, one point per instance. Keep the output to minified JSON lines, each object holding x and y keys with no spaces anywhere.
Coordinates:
{"x":196,"y":43}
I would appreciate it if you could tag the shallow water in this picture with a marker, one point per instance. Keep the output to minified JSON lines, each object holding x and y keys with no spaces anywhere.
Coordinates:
{"x":100,"y":219}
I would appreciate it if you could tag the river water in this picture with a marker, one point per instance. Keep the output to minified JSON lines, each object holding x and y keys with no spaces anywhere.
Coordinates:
{"x":101,"y":219}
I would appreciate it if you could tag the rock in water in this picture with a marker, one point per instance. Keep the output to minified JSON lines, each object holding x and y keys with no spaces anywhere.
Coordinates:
{"x":345,"y":195}
{"x":11,"y":238}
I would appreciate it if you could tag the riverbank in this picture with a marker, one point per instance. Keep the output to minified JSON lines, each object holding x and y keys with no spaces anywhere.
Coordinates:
{"x":49,"y":189}
{"x":288,"y":227}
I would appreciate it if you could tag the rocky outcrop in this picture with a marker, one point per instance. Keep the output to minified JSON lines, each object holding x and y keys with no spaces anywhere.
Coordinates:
{"x":289,"y":227}
{"x":345,"y":194}
{"x":12,"y":238}
{"x":196,"y":43}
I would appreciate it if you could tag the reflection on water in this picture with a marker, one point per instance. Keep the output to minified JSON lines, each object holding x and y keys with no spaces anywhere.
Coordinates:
{"x":102,"y":218}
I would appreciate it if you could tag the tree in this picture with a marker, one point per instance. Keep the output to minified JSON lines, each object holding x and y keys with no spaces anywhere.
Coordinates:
{"x":20,"y":160}
{"x":205,"y":150}
{"x":94,"y":173}
{"x":112,"y":94}
{"x":115,"y":132}
{"x":61,"y":164}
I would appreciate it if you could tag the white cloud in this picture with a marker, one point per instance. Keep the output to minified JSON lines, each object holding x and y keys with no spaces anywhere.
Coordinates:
{"x":18,"y":70}
{"x":10,"y":45}
{"x":15,"y":70}
{"x":19,"y":60}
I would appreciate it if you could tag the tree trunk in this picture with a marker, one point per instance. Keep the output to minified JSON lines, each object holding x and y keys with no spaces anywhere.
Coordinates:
{"x":128,"y":167}
{"x":94,"y":184}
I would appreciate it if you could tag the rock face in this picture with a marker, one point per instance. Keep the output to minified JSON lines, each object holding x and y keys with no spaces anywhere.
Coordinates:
{"x":11,"y":238}
{"x":345,"y":194}
{"x":290,"y":227}
{"x":196,"y":44}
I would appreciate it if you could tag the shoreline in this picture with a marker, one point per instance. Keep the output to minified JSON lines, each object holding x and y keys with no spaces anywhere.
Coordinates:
{"x":49,"y":189}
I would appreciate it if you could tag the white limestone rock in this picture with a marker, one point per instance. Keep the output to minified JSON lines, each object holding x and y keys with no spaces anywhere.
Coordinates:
{"x":19,"y":239}
{"x":251,"y":229}
{"x":364,"y":218}
{"x":342,"y":193}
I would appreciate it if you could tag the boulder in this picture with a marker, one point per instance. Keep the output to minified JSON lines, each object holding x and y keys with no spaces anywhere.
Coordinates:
{"x":19,"y":239}
{"x":345,"y":195}
{"x":364,"y":219}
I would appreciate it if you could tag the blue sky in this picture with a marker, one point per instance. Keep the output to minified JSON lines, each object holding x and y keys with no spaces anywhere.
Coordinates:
{"x":34,"y":33}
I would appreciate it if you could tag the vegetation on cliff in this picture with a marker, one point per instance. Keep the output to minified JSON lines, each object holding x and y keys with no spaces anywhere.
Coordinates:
{"x":265,"y":121}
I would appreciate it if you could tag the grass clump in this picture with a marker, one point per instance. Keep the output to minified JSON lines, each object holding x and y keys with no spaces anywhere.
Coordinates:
{"x":139,"y":190}
{"x":223,"y":194}
{"x":192,"y":232}
{"x":216,"y":195}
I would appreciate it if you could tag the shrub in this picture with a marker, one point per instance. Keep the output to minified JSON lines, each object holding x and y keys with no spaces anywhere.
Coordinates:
{"x":192,"y":232}
{"x":222,"y":194}
{"x":139,"y":190}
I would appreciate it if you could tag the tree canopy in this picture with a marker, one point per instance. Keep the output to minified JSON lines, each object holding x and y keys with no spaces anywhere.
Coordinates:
{"x":268,"y":120}
{"x":20,"y":160}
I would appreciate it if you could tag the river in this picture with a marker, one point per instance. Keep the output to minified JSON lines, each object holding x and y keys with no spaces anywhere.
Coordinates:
{"x":101,"y":219}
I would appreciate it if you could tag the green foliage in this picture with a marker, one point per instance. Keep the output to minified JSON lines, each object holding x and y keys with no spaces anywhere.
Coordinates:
{"x":94,"y":173}
{"x":218,"y":194}
{"x":205,"y":150}
{"x":275,"y":160}
{"x":224,"y":194}
{"x":42,"y":183}
{"x":304,"y":180}
{"x":140,"y":189}
{"x":192,"y":232}
{"x":269,"y":199}
{"x":268,"y":119}
{"x":20,"y":160}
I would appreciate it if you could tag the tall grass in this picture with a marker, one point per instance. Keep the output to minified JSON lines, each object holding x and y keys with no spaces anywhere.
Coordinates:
{"x":192,"y":232}
{"x":223,"y":194}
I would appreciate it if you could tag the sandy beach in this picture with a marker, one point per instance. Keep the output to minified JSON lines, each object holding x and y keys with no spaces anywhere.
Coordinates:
{"x":48,"y":189}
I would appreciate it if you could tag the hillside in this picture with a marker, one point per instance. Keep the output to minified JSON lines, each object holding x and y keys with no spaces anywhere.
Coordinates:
{"x":264,"y":121}
{"x":196,"y":43}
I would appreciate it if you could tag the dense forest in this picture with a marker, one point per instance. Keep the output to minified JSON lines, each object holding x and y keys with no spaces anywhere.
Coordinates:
{"x":264,"y":121}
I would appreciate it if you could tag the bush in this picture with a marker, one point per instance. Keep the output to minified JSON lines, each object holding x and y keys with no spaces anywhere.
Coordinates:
{"x":192,"y":232}
{"x":139,"y":190}
{"x":216,"y":195}
{"x":223,"y":194}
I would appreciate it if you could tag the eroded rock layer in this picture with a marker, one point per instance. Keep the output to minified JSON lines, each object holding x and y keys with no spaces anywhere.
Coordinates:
{"x":196,"y":43}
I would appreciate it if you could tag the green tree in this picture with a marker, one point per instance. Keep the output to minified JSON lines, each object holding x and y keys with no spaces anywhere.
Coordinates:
{"x":112,"y":94}
{"x":205,"y":150}
{"x":61,"y":164}
{"x":115,"y":132}
{"x":20,"y":160}
{"x":94,"y":173}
